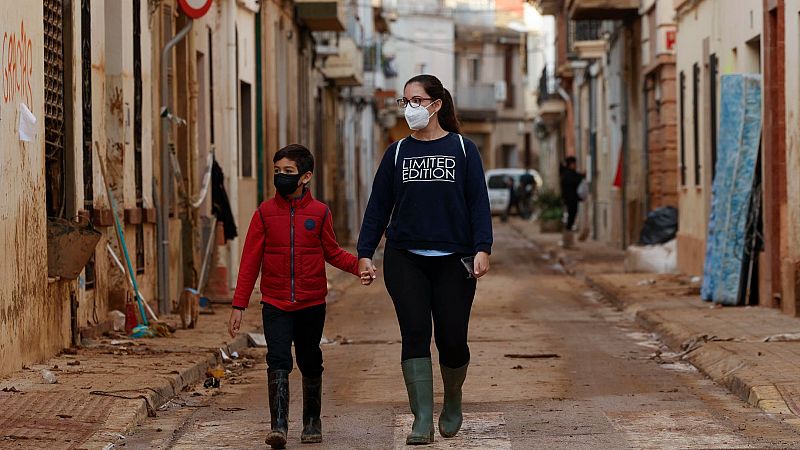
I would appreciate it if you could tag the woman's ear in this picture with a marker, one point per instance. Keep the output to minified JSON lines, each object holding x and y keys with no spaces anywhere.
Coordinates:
{"x":438,"y":105}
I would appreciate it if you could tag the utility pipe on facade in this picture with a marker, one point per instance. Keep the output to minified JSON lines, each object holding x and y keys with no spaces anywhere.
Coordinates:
{"x":166,"y":176}
{"x":570,"y":135}
{"x":231,"y":120}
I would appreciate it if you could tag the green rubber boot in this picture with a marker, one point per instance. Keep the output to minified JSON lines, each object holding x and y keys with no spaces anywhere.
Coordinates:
{"x":451,"y":418}
{"x":418,"y":374}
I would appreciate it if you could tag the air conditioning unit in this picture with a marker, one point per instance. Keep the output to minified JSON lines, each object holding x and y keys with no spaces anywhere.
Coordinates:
{"x":500,"y":91}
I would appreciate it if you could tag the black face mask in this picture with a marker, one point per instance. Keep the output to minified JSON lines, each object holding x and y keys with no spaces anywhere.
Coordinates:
{"x":286,"y":184}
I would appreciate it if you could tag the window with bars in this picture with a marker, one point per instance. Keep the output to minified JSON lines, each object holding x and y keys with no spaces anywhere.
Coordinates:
{"x":246,"y":129}
{"x":211,"y":84}
{"x":583,"y":30}
{"x":372,"y":56}
{"x":137,"y":128}
{"x":86,"y":114}
{"x":55,"y":162}
{"x":713,"y":68}
{"x":86,"y":102}
{"x":682,"y":137}
{"x":696,"y":121}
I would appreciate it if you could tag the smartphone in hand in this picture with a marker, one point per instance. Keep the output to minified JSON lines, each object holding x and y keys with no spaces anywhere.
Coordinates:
{"x":469,"y":264}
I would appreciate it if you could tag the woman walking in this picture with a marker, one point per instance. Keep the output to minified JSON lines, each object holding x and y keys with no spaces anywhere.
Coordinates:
{"x":430,"y":192}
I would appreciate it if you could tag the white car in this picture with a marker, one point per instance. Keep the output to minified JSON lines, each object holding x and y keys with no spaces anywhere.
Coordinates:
{"x":499,"y":195}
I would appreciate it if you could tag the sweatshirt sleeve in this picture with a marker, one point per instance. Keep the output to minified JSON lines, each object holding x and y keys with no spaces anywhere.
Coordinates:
{"x":477,"y":197}
{"x":379,"y":207}
{"x":334,"y":254}
{"x":250,"y":266}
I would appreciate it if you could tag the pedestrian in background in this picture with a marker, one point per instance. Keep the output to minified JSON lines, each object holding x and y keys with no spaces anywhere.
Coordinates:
{"x":570,"y":182}
{"x":527,"y":187}
{"x":431,"y":200}
{"x":288,"y":228}
{"x":512,"y":198}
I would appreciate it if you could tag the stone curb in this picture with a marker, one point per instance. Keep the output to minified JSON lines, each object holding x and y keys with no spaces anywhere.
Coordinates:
{"x":718,"y":363}
{"x":128,"y":415}
{"x":721,"y":365}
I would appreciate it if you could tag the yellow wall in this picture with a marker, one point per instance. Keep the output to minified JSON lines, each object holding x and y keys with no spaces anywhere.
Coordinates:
{"x":32,"y":324}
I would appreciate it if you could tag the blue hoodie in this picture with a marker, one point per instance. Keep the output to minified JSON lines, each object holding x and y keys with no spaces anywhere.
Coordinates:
{"x":432,"y":196}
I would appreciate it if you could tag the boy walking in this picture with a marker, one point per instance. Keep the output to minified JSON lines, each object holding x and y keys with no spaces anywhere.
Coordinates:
{"x":289,"y":240}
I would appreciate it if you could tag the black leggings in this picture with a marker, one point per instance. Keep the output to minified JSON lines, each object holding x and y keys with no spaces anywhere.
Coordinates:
{"x":425,"y":286}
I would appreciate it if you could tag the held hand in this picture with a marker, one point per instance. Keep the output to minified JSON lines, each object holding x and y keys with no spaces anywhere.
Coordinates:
{"x":367,"y":271}
{"x":481,"y":264}
{"x":235,"y":322}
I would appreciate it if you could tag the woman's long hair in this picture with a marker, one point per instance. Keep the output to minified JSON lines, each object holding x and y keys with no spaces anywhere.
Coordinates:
{"x":434,"y":88}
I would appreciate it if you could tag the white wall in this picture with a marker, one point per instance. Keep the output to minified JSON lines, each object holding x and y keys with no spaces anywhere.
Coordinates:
{"x":423,"y":44}
{"x":727,"y":31}
{"x":792,"y":36}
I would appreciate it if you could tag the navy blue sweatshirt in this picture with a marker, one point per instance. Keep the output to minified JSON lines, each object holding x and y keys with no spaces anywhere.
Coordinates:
{"x":433,"y":197}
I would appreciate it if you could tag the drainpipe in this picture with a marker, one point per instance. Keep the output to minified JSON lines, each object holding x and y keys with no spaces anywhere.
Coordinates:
{"x":570,"y":137}
{"x":259,"y":113}
{"x":627,"y":72}
{"x":231,"y":120}
{"x":166,"y":176}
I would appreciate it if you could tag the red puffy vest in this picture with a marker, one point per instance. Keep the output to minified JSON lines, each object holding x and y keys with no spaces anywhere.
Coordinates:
{"x":289,"y":242}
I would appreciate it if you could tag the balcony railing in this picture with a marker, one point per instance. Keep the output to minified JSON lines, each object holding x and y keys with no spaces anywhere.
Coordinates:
{"x":476,"y":97}
{"x":583,"y":33}
{"x":551,"y":105}
{"x":347,"y":67}
{"x":327,"y":43}
{"x":585,"y":30}
{"x":602,"y":9}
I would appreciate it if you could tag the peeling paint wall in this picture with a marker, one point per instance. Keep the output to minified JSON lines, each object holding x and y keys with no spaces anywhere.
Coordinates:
{"x":33,"y":325}
{"x":35,"y":315}
{"x":113,"y":140}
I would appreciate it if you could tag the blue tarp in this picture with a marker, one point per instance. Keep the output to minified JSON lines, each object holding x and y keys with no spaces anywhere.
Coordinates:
{"x":737,"y":154}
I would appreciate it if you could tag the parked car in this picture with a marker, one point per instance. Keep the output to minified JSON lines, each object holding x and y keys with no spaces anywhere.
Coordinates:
{"x":499,"y":194}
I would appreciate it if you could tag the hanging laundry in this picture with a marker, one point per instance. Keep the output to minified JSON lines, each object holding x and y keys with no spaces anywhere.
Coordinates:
{"x":221,"y":206}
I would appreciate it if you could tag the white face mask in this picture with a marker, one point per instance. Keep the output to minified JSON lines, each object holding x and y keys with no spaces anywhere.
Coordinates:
{"x":418,"y":117}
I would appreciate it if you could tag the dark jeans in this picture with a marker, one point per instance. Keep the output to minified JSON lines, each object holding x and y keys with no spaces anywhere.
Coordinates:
{"x":304,"y":328}
{"x":572,"y":213}
{"x":431,"y":286}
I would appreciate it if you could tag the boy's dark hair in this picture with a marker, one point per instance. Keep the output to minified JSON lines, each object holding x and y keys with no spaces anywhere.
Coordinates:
{"x":571,"y":160}
{"x":299,"y":154}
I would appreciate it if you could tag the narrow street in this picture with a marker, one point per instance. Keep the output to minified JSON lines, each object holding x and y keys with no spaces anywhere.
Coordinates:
{"x":553,"y":366}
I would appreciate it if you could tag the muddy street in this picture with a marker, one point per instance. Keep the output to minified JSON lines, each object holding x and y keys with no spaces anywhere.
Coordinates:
{"x":553,"y":366}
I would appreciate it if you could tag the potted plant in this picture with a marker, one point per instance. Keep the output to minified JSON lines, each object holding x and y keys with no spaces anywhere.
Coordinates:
{"x":551,"y":212}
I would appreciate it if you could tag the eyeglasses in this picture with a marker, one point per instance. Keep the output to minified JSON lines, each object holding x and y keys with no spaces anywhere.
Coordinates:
{"x":414,"y":102}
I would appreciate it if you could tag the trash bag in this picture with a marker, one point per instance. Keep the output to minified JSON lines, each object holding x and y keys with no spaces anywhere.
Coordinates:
{"x":661,"y":226}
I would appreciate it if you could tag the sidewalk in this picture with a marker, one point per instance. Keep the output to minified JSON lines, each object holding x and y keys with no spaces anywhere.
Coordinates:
{"x":109,"y":386}
{"x":753,"y":351}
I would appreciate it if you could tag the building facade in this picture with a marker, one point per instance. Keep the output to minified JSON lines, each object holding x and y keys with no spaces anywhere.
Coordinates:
{"x":640,"y":109}
{"x":593,"y":112}
{"x":94,"y":104}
